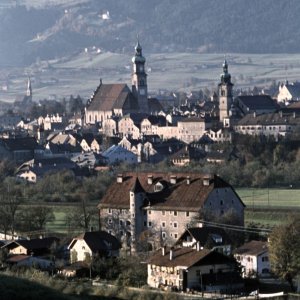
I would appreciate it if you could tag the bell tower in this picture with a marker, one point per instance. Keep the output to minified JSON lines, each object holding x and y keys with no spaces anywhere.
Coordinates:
{"x":139,"y":79}
{"x":225,"y":93}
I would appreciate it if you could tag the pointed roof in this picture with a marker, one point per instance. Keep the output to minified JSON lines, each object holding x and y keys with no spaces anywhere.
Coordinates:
{"x":112,"y":96}
{"x":138,"y":58}
{"x":137,"y":187}
{"x":225,"y":76}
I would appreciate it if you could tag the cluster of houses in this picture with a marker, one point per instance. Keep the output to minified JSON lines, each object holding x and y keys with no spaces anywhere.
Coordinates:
{"x":165,"y":214}
{"x":172,"y":215}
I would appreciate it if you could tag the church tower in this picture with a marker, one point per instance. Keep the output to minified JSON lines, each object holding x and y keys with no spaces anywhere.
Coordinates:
{"x":225,"y":93}
{"x":139,"y":79}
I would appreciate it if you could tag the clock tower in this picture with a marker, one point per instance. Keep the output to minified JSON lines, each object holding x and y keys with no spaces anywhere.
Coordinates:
{"x":225,"y":93}
{"x":139,"y":79}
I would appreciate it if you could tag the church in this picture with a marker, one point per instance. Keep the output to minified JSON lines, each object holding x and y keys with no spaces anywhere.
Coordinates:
{"x":117,"y":100}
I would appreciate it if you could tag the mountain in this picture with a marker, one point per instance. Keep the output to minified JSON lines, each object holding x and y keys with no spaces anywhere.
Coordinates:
{"x":31,"y":30}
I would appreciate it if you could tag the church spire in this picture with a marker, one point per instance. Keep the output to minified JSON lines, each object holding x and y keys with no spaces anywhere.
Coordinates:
{"x":225,"y":76}
{"x":225,"y":94}
{"x":139,"y":78}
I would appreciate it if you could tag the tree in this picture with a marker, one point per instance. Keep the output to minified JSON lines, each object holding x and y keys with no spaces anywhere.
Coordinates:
{"x":35,"y":218}
{"x":284,"y":250}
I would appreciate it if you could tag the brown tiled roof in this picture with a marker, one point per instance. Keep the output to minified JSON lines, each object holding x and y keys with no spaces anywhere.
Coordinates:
{"x":188,"y":257}
{"x":252,"y":248}
{"x":111,"y":96}
{"x":179,"y":196}
{"x":185,"y":257}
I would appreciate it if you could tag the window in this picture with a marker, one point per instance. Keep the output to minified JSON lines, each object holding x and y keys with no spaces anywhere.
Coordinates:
{"x":149,"y":224}
{"x":163,"y":224}
{"x":175,"y":235}
{"x":109,"y":211}
{"x":175,"y":213}
{"x":221,"y":202}
{"x":121,"y":232}
{"x":163,"y":212}
{"x":121,"y":222}
{"x":145,"y":223}
{"x":187,"y":214}
{"x":163,"y":235}
{"x":149,"y":212}
{"x":109,"y":221}
{"x":265,"y":258}
{"x":175,"y":224}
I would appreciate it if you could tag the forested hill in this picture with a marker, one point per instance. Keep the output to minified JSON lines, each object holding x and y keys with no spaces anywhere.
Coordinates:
{"x":47,"y":29}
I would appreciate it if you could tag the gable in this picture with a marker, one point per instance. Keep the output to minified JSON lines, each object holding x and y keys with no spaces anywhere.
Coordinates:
{"x":111,"y":96}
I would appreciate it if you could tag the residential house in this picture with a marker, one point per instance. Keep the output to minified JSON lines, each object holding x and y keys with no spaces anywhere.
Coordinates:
{"x":288,"y":92}
{"x":213,"y":238}
{"x":186,"y":155}
{"x":220,"y":135}
{"x":110,"y":126}
{"x":34,"y":247}
{"x":116,"y":154}
{"x":149,"y":125}
{"x":35,"y":169}
{"x":192,"y":129}
{"x":279,"y":124}
{"x":30,"y":261}
{"x":163,"y":204}
{"x":186,"y":269}
{"x":254,"y":258}
{"x":93,"y":243}
{"x":130,"y":125}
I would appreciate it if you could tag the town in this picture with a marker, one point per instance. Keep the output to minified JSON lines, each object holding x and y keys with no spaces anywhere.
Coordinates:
{"x":166,"y":212}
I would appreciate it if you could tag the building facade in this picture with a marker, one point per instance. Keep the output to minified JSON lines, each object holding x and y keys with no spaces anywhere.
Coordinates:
{"x":156,"y":208}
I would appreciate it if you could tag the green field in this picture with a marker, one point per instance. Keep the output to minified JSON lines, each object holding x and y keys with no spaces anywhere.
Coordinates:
{"x":270,"y":198}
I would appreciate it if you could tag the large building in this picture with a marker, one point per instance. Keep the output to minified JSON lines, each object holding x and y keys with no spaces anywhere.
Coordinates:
{"x":161,"y":205}
{"x":111,"y":100}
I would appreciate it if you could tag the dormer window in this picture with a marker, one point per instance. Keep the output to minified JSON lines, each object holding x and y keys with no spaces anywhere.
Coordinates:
{"x":158,"y":187}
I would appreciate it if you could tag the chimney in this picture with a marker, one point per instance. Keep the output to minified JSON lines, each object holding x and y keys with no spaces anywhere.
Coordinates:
{"x":206,"y":180}
{"x":188,"y":180}
{"x":150,"y":179}
{"x":254,"y":114}
{"x":198,"y":246}
{"x":173,"y":179}
{"x":294,"y":115}
{"x":163,"y":250}
{"x":119,"y":178}
{"x":171,"y":254}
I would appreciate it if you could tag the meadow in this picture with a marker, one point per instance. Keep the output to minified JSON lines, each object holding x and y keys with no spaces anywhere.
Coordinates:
{"x":177,"y":72}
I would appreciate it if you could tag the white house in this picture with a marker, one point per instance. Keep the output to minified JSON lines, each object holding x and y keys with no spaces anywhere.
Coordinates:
{"x":254,"y":258}
{"x":187,"y":268}
{"x":93,"y":243}
{"x":116,"y":154}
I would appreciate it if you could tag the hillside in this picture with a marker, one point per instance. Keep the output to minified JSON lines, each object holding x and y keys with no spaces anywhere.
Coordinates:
{"x":47,"y":29}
